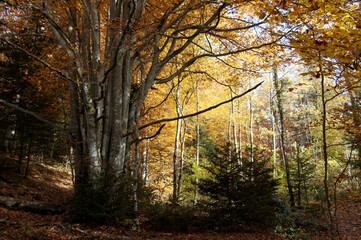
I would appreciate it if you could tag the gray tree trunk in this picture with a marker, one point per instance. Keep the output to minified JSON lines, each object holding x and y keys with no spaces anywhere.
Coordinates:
{"x":278,"y":90}
{"x":325,"y":155}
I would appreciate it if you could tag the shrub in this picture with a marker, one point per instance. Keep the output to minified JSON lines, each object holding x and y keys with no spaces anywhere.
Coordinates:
{"x":110,"y":201}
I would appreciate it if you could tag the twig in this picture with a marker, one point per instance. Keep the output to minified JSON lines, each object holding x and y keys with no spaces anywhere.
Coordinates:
{"x":82,"y":231}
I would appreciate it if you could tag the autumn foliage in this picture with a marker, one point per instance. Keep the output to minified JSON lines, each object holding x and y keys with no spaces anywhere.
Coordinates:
{"x":136,"y":99}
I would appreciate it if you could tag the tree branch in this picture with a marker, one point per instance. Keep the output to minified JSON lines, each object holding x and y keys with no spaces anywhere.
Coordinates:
{"x":36,"y":58}
{"x":63,"y":75}
{"x":35,"y":116}
{"x":216,"y":55}
{"x":153,"y":136}
{"x":198,"y":113}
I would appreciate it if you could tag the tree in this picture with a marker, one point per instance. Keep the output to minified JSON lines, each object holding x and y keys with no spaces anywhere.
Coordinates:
{"x":238,"y":193}
{"x":280,"y":100}
{"x":115,"y":52}
{"x":25,"y":83}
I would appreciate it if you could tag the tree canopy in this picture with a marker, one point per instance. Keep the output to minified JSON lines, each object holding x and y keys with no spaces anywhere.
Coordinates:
{"x":141,"y":91}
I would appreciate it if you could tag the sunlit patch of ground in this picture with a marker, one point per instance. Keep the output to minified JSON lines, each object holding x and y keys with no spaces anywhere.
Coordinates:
{"x":43,"y":183}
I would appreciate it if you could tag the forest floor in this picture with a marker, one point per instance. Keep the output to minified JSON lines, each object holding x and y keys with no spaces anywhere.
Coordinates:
{"x":54,"y":185}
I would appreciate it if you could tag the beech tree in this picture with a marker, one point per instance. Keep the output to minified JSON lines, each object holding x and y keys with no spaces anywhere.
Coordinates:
{"x":116,"y":51}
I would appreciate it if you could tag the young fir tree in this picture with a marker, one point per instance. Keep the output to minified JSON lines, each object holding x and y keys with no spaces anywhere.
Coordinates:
{"x":239,"y":193}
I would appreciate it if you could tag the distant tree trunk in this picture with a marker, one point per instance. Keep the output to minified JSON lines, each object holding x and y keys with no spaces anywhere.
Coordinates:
{"x":299,"y":175}
{"x":234,"y":124}
{"x":197,"y":145}
{"x":181,"y":159}
{"x":146,"y":163}
{"x":136,"y":173}
{"x":230,"y":134}
{"x":13,"y":142}
{"x":354,"y":97}
{"x":240,"y":135}
{"x":6,"y":136}
{"x":176,"y":147}
{"x":278,"y":90}
{"x":273,"y":134}
{"x":304,"y":184}
{"x":324,"y":149}
{"x":251,"y":128}
{"x":175,"y":161}
{"x":21,"y":149}
{"x":51,"y":155}
{"x":28,"y":156}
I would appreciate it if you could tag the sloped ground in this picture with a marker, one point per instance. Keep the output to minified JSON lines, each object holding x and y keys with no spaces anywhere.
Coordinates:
{"x":54,"y":185}
{"x":44,"y":183}
{"x":348,"y":218}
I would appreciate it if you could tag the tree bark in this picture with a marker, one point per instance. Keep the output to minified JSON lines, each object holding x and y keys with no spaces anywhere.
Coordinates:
{"x":240,"y":134}
{"x":278,"y":90}
{"x":251,"y":129}
{"x":299,"y":177}
{"x":197,"y":145}
{"x":28,"y":156}
{"x":38,"y":207}
{"x":324,"y":150}
{"x":21,"y":148}
{"x":181,"y":159}
{"x":235,"y":131}
{"x":176,"y":146}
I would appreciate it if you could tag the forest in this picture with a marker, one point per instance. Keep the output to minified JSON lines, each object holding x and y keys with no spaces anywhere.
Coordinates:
{"x":180,"y":119}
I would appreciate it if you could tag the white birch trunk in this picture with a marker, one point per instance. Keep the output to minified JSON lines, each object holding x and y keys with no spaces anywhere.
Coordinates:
{"x":197,"y":145}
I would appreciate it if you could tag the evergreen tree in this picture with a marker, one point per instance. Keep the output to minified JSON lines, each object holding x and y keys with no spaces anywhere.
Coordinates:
{"x":239,"y":193}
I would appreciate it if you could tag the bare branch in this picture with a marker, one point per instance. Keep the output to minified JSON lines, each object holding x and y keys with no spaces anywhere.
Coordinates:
{"x":36,"y":58}
{"x":205,"y":28}
{"x":159,"y":104}
{"x":63,"y":75}
{"x":194,"y":59}
{"x":200,"y":112}
{"x":35,"y":116}
{"x":153,"y":136}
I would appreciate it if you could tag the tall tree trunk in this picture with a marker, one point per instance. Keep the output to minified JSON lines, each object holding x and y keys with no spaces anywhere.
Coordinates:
{"x":146,"y":151}
{"x":235,"y":139}
{"x":136,"y":173}
{"x":230,"y":144}
{"x":181,"y":159}
{"x":251,"y":128}
{"x":299,"y":176}
{"x":240,"y":134}
{"x":304,"y":183}
{"x":197,"y":145}
{"x":273,"y":134}
{"x":278,"y":90}
{"x":176,"y":147}
{"x":324,"y":150}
